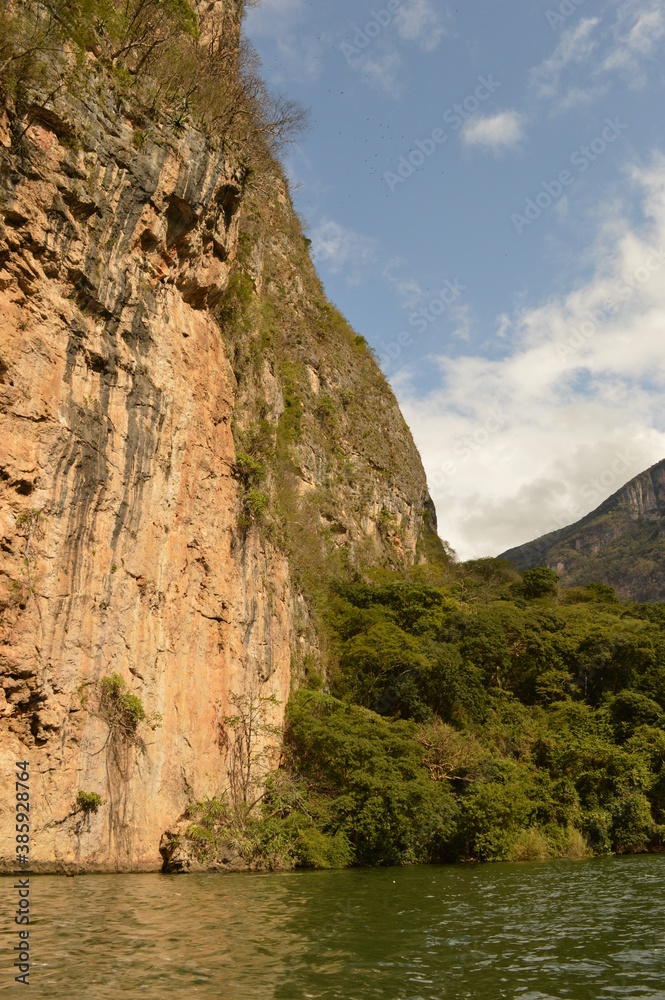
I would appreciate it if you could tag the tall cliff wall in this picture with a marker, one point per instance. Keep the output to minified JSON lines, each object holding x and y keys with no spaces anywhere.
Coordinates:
{"x":190,"y":438}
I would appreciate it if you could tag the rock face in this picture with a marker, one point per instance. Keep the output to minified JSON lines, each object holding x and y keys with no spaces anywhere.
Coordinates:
{"x":124,"y":542}
{"x":622,"y":543}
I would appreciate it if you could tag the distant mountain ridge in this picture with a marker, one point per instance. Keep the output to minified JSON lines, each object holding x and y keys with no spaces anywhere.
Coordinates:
{"x":621,"y":543}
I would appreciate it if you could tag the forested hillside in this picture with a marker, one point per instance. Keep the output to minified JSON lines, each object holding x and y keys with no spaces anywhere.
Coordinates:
{"x":621,"y":543}
{"x":492,"y":716}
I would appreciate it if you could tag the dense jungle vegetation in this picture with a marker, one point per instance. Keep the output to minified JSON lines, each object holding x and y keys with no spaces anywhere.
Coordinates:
{"x":463,"y":713}
{"x":493,"y":717}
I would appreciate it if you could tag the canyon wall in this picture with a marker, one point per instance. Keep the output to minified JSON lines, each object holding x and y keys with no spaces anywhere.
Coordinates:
{"x":158,"y":311}
{"x":621,"y":543}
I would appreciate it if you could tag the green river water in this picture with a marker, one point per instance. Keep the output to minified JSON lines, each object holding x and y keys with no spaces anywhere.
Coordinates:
{"x":591,"y":929}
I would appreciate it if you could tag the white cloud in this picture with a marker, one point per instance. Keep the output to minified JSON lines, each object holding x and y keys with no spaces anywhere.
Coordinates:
{"x":638,"y":32}
{"x":379,"y":65}
{"x":301,"y":58}
{"x":595,"y":49}
{"x":263,"y":18}
{"x":419,"y":21}
{"x":576,"y":46}
{"x":463,"y":319}
{"x":343,"y":249}
{"x":496,"y":133}
{"x":503,"y":325}
{"x":299,"y":51}
{"x":518,"y":445}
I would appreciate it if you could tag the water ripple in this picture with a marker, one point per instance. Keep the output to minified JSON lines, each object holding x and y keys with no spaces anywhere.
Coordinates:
{"x":590,"y":930}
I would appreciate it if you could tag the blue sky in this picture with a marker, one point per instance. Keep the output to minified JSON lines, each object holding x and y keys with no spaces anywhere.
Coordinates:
{"x":484,"y":187}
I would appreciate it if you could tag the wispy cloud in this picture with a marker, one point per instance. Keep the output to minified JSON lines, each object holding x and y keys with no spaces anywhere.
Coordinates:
{"x":342,"y":249}
{"x":421,"y":21}
{"x":518,"y":445}
{"x":303,"y":57}
{"x":463,"y":318}
{"x":374,"y":49}
{"x":409,"y":290}
{"x":626,"y":42}
{"x":496,"y":133}
{"x":503,"y":325}
{"x":638,"y":34}
{"x":299,"y":51}
{"x":575,"y":48}
{"x":381,"y":70}
{"x":271,"y":9}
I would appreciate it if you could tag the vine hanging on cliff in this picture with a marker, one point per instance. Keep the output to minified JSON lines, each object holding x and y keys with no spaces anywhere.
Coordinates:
{"x":29,"y":524}
{"x":124,"y":715}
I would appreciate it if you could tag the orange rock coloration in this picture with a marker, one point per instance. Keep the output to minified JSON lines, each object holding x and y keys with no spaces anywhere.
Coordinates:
{"x":120,"y":545}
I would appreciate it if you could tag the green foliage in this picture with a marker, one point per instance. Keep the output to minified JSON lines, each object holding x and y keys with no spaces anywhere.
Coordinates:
{"x":256,"y":503}
{"x":209,"y":812}
{"x":235,"y":309}
{"x":116,"y":702}
{"x":540,"y":582}
{"x":125,"y":718}
{"x":250,"y":742}
{"x":89,"y":802}
{"x":249,"y":471}
{"x":326,"y":411}
{"x":30,"y":519}
{"x":369,"y":780}
{"x":602,"y":592}
{"x":289,"y":429}
{"x":320,"y":850}
{"x":196,"y":832}
{"x":476,"y":726}
{"x":153,"y":55}
{"x":18,"y":592}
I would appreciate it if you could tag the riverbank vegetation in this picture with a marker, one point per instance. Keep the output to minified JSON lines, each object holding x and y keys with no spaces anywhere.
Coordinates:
{"x":495,"y":718}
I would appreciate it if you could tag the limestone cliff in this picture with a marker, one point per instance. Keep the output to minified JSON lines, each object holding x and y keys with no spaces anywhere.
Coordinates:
{"x":190,"y":437}
{"x":621,"y":543}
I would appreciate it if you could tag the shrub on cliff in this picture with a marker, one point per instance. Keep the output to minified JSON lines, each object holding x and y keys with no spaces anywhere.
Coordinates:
{"x":171,"y":63}
{"x":88,"y":802}
{"x":125,"y":718}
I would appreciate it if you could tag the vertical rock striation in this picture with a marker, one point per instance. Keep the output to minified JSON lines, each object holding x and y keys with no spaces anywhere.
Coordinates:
{"x":123,"y":544}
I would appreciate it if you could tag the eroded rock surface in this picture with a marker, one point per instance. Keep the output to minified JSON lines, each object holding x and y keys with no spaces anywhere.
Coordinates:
{"x":124,"y":546}
{"x":116,"y":401}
